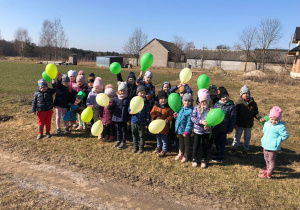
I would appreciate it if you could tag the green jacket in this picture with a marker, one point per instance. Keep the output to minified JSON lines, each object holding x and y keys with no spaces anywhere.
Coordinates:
{"x":245,"y":113}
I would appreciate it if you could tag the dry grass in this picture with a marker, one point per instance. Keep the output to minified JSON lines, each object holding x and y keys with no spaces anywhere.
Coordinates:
{"x":233,"y":184}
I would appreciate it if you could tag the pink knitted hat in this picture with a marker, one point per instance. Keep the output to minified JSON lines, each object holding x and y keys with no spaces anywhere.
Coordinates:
{"x":98,"y":82}
{"x":203,"y":95}
{"x":80,"y":78}
{"x":81,"y":72}
{"x":276,"y":112}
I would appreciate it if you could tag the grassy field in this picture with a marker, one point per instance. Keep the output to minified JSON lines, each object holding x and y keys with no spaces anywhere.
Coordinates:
{"x":233,"y":184}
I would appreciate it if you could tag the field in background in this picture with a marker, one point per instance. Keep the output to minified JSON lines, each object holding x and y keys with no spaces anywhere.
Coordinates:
{"x":232,"y":184}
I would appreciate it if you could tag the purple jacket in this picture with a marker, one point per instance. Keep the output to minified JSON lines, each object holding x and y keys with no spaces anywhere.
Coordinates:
{"x":106,"y":115}
{"x":197,"y":117}
{"x":91,"y":99}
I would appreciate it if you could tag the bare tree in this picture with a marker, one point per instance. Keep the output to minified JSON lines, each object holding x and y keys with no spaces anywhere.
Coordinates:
{"x":269,"y":33}
{"x":60,"y":39}
{"x":136,"y":41}
{"x":21,"y":37}
{"x":47,"y":37}
{"x":246,"y":42}
{"x":178,"y":54}
{"x":187,"y":48}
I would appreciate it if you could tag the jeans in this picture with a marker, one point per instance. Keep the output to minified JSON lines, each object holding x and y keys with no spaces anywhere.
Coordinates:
{"x":121,"y":131}
{"x":238,"y":135}
{"x":162,"y":141}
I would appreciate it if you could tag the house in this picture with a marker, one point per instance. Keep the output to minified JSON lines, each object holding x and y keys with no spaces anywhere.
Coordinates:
{"x":166,"y":54}
{"x":105,"y":61}
{"x":236,"y":59}
{"x":294,"y":53}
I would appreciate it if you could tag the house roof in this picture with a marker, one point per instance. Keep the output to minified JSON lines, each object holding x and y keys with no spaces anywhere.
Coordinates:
{"x":296,"y":49}
{"x":273,"y":56}
{"x":171,"y":47}
{"x":296,"y":35}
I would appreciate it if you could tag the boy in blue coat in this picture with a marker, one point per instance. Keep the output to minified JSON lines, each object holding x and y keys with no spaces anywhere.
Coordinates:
{"x":226,"y":126}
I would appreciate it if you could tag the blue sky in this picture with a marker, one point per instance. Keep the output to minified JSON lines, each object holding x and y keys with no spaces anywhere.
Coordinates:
{"x":107,"y":25}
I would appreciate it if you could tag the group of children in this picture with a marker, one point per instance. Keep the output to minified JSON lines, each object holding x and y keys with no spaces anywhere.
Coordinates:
{"x":117,"y":114}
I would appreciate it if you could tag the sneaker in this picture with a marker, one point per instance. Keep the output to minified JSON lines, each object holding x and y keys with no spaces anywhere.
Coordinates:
{"x":122,"y":146}
{"x":216,"y":160}
{"x":79,"y":128}
{"x":112,"y":138}
{"x":265,"y":176}
{"x":106,"y":137}
{"x":48,"y":135}
{"x":117,"y":143}
{"x":179,"y":157}
{"x":244,"y":153}
{"x":74,"y":126}
{"x":67,"y":131}
{"x":184,"y":158}
{"x":157,"y":150}
{"x":100,"y":137}
{"x":162,"y":153}
{"x":58,"y":131}
{"x":263,"y":170}
{"x":85,"y":129}
{"x":233,"y":151}
{"x":39,"y":136}
{"x":141,"y":149}
{"x":194,"y":164}
{"x":203,"y":164}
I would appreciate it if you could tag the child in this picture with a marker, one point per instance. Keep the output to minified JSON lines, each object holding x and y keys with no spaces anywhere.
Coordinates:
{"x":81,"y":72}
{"x":184,"y":126}
{"x":90,"y":82}
{"x":150,"y":88}
{"x":80,"y":86}
{"x":91,"y":100}
{"x":201,"y":131}
{"x":226,"y":126}
{"x":274,"y":133}
{"x":182,"y":88}
{"x":62,"y":101}
{"x":120,"y":114}
{"x":166,"y":86}
{"x":140,"y":121}
{"x":106,"y":115}
{"x":131,"y":86}
{"x":246,"y":110}
{"x":42,"y":103}
{"x":72,"y":75}
{"x":213,"y":94}
{"x":161,"y":110}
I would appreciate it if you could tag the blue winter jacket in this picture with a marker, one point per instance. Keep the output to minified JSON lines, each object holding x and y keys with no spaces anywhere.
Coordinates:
{"x":197,"y":118}
{"x":142,"y":117}
{"x":91,"y":99}
{"x":120,"y":109}
{"x":227,"y":125}
{"x":274,"y":135}
{"x":183,"y":121}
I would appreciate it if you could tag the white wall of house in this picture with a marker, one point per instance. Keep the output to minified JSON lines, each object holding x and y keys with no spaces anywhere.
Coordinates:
{"x":160,"y":54}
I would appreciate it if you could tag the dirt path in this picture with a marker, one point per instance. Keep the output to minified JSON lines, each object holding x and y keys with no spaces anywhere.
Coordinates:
{"x":74,"y":187}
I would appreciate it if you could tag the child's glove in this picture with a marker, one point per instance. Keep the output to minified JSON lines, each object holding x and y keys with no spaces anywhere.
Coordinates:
{"x":185,"y":134}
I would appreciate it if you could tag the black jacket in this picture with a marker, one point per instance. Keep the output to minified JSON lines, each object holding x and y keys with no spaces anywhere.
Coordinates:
{"x":43,"y":101}
{"x":131,"y":88}
{"x":63,"y":96}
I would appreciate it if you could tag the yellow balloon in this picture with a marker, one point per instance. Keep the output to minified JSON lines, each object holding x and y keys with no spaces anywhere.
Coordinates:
{"x":102,"y":99}
{"x":87,"y":115}
{"x":97,"y":128}
{"x":51,"y":70}
{"x":136,"y":104}
{"x":157,"y":126}
{"x":185,"y":75}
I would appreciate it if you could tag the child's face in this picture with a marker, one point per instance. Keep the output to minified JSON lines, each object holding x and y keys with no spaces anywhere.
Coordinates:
{"x":166,"y":88}
{"x":72,"y":78}
{"x":187,"y":103}
{"x":147,"y":80}
{"x":131,"y":81}
{"x":224,"y":98}
{"x":245,"y":96}
{"x":205,"y":103}
{"x":212,"y":92}
{"x":163,"y":100}
{"x":80,"y":83}
{"x":66,"y":84}
{"x":181,"y":94}
{"x":44,"y":88}
{"x":274,"y":120}
{"x":142,"y":94}
{"x":97,"y":89}
{"x":81,"y":73}
{"x":90,"y":84}
{"x":122,"y":92}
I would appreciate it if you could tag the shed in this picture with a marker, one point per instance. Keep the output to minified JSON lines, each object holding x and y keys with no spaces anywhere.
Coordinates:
{"x":73,"y":59}
{"x":295,"y":54}
{"x":105,"y":61}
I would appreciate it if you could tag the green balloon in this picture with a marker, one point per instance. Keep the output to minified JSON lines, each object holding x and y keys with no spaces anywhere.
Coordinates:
{"x":146,"y":61}
{"x":215,"y":117}
{"x":174,"y":101}
{"x":81,"y":94}
{"x":115,"y":68}
{"x":46,"y":77}
{"x":266,"y":119}
{"x":203,"y":81}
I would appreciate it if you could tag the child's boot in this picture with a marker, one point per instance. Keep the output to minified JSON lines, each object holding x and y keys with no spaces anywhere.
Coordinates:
{"x":48,"y":135}
{"x":203,"y":164}
{"x":117,"y":143}
{"x":157,"y":150}
{"x":162,"y":153}
{"x":135,"y":148}
{"x":141,"y":149}
{"x":39,"y":136}
{"x":122,"y":146}
{"x":58,"y":131}
{"x":106,"y":137}
{"x":184,"y":158}
{"x":111,"y":138}
{"x":179,"y":156}
{"x":100,"y":137}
